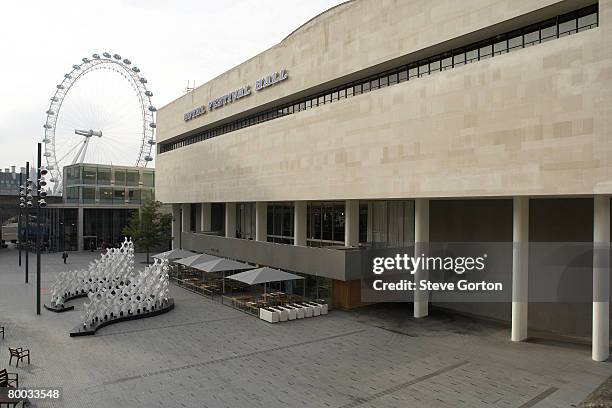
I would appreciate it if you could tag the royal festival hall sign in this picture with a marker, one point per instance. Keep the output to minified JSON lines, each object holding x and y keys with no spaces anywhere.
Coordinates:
{"x":242,"y":92}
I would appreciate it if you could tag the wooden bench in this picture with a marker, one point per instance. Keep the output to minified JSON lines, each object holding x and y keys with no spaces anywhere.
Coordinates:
{"x":19,"y":353}
{"x":8,"y":380}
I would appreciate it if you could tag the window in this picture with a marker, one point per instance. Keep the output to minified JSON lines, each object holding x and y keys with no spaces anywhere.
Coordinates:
{"x":132,"y":177}
{"x":486,"y":51}
{"x":471,"y":55}
{"x":73,"y":175}
{"x":280,"y":223}
{"x":325,"y":223}
{"x":515,"y":41}
{"x":434,"y":66}
{"x":413,"y":72}
{"x":587,"y":21}
{"x":447,"y":63}
{"x":89,"y":175}
{"x":104,"y":176}
{"x":120,"y":177}
{"x":134,"y":196}
{"x":567,"y":27}
{"x":531,"y":36}
{"x":106,"y":195}
{"x":118,"y":196}
{"x":72,"y":194}
{"x":245,"y":220}
{"x":89,"y":195}
{"x":500,"y":47}
{"x":458,"y":59}
{"x":148,"y":179}
{"x":423,"y":69}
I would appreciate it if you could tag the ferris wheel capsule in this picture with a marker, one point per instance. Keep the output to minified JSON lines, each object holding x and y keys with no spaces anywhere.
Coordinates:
{"x":47,"y":154}
{"x":106,"y":54}
{"x":54,"y":99}
{"x":127,"y":61}
{"x":117,"y":57}
{"x":46,"y":140}
{"x":151,"y":142}
{"x":50,"y":112}
{"x":149,"y":93}
{"x":67,"y":76}
{"x":85,"y":60}
{"x":60,"y":86}
{"x":143,"y":80}
{"x":96,"y":56}
{"x":136,"y":69}
{"x":152,"y":125}
{"x":152,"y":109}
{"x":47,"y":126}
{"x":148,"y":158}
{"x":77,"y":67}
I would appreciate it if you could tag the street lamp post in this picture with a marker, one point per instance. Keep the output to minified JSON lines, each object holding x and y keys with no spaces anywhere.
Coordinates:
{"x":27,"y":205}
{"x":41,"y":194}
{"x":21,"y":205}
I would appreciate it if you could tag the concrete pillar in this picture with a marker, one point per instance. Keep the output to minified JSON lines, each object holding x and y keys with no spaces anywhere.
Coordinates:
{"x":176,"y":226}
{"x":205,"y":217}
{"x":230,"y":220}
{"x":186,"y":221}
{"x":261,"y":221}
{"x":80,"y":220}
{"x":421,"y":245}
{"x":520,"y":268}
{"x":601,"y":278}
{"x":351,"y":223}
{"x":299,"y":223}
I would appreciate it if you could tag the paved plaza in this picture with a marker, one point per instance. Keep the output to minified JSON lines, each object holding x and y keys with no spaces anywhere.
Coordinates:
{"x":204,"y":354}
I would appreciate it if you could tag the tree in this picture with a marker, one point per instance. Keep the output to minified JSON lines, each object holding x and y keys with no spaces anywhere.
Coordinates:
{"x":149,"y":227}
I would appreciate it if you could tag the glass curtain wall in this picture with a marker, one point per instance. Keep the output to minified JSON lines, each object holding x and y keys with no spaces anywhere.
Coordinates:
{"x":280,"y":222}
{"x":390,"y":223}
{"x":245,"y":220}
{"x":325,"y":223}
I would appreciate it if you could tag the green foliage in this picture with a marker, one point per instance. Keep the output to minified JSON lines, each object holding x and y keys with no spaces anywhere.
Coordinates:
{"x":149,"y":227}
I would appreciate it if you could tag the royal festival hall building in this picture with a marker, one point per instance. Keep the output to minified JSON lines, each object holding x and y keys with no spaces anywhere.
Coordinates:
{"x":381,"y":124}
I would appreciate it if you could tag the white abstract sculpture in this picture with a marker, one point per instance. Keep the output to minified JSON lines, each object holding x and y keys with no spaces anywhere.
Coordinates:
{"x":147,"y":291}
{"x":114,"y":269}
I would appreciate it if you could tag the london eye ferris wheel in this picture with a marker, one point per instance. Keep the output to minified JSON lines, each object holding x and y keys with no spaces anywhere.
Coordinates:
{"x":101,"y":112}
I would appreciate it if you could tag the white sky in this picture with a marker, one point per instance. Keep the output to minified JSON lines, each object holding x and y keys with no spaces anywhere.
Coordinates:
{"x":170,"y":41}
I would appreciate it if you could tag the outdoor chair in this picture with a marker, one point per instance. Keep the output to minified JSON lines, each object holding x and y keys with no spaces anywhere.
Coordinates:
{"x":8,"y":380}
{"x":19,"y":354}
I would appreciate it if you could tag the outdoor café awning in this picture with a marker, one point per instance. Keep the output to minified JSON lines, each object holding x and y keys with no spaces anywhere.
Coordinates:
{"x":197,"y":259}
{"x":173,"y":254}
{"x":221,"y":265}
{"x":263,"y":275}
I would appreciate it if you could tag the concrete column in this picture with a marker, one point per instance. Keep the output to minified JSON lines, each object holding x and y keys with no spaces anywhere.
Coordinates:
{"x":186,"y":221}
{"x":601,"y":278}
{"x":80,"y":220}
{"x":520,"y":268}
{"x":421,"y":245}
{"x":176,"y":226}
{"x":261,"y":221}
{"x":351,"y":223}
{"x":299,"y":223}
{"x":205,"y":217}
{"x":230,"y":220}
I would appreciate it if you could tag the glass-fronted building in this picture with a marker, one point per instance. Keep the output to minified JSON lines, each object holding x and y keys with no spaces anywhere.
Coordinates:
{"x":98,"y":201}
